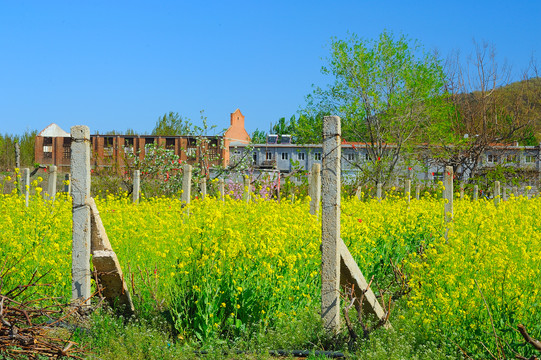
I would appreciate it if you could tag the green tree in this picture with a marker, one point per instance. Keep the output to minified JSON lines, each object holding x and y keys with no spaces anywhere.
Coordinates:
{"x":259,"y":137}
{"x":387,"y":91}
{"x":172,"y":124}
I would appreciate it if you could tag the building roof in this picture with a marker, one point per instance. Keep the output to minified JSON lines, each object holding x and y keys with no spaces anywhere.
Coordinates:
{"x":53,"y":130}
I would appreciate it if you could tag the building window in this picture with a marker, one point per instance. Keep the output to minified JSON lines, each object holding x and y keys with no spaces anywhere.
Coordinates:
{"x":268,"y":155}
{"x":285,"y":156}
{"x":47,"y":147}
{"x":66,"y":153}
{"x":149,"y":141}
{"x":300,"y":156}
{"x":317,"y":156}
{"x":351,"y":157}
{"x":169,"y":143}
{"x":529,"y":159}
{"x":254,"y":157}
{"x":511,"y":158}
{"x":366,"y":157}
{"x":492,"y":159}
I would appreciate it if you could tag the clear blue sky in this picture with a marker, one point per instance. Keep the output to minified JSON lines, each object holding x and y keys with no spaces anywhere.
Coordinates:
{"x":122,"y":64}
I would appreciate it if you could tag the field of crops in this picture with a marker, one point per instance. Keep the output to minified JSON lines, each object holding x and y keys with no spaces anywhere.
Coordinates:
{"x":230,"y":267}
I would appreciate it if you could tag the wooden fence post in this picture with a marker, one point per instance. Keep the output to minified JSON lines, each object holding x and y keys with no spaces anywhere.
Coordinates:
{"x":315,"y":188}
{"x":81,"y":234}
{"x":330,"y":220}
{"x":136,"y":186}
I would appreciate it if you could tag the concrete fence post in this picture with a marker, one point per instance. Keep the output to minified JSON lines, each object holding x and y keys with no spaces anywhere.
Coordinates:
{"x":136,"y":186}
{"x":67,"y":183}
{"x":203,"y":188}
{"x":81,"y":234}
{"x":407,"y":190}
{"x":51,"y":183}
{"x":475,"y":192}
{"x":26,"y":185}
{"x":330,"y":220}
{"x":515,"y":191}
{"x":221,"y":189}
{"x":246,"y":193}
{"x":461,"y":191}
{"x":186,"y":184}
{"x":17,"y":155}
{"x":497,"y":193}
{"x":379,"y":191}
{"x":448,"y":194}
{"x":315,"y":188}
{"x":418,"y":191}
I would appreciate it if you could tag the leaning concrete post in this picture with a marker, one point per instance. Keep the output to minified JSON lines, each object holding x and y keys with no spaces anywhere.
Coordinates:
{"x":246,"y":194}
{"x":418,"y":191}
{"x":378,"y":191}
{"x":407,"y":190}
{"x":448,"y":194}
{"x":26,"y":185}
{"x":221,"y":189}
{"x":203,"y":188}
{"x":315,"y":188}
{"x":51,"y":186}
{"x":475,"y":192}
{"x":67,"y":183}
{"x":496,"y":193}
{"x":330,"y":220}
{"x":81,"y":234}
{"x":136,"y":186}
{"x":187,"y":184}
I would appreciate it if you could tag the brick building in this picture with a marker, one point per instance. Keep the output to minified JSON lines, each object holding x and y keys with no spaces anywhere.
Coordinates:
{"x":53,"y":146}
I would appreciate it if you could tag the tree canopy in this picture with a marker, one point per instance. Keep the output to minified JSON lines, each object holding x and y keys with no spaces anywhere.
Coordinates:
{"x":388,"y":92}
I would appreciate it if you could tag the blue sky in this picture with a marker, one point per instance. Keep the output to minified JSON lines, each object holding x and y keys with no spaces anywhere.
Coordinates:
{"x":114,"y":65}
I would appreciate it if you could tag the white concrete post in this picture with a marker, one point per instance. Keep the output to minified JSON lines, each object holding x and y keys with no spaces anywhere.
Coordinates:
{"x":407,"y":190}
{"x":221,"y":188}
{"x":17,"y":155}
{"x":505,"y":192}
{"x":203,"y":188}
{"x":186,"y":184}
{"x":461,"y":191}
{"x":136,"y":186}
{"x":26,"y":185}
{"x":448,"y":193}
{"x":515,"y":191}
{"x":315,"y":188}
{"x":51,"y":182}
{"x":67,"y":183}
{"x":246,"y":194}
{"x":81,"y":234}
{"x":496,"y":193}
{"x":475,"y":192}
{"x":378,"y":191}
{"x":418,"y":191}
{"x":330,"y":220}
